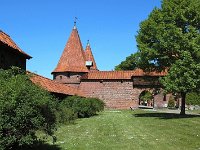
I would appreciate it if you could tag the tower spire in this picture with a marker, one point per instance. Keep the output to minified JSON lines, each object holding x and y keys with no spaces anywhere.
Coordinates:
{"x":75,"y":19}
{"x":90,"y":58}
{"x":73,"y":56}
{"x":88,"y":42}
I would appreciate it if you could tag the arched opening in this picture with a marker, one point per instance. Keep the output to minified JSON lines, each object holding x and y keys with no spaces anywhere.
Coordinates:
{"x":146,"y":98}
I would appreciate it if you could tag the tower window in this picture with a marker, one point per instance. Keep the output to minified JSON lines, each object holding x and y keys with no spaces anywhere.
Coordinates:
{"x":60,"y":77}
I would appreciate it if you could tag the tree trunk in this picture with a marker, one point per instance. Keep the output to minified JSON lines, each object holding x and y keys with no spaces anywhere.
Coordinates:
{"x":183,"y":95}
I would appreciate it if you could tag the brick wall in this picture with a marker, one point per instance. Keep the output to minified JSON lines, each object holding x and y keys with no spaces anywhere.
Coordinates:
{"x":115,"y":93}
{"x":118,"y":94}
{"x":72,"y":79}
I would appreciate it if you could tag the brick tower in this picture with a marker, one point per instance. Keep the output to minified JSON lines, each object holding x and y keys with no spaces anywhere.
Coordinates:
{"x":72,"y":63}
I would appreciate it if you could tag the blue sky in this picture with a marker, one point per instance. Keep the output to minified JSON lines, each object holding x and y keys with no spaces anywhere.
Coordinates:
{"x":42,"y":27}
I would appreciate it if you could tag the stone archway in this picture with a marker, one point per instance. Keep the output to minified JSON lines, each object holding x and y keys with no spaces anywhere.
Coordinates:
{"x":146,"y":98}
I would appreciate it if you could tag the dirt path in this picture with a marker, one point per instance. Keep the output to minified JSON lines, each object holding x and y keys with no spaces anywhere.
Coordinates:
{"x":175,"y":111}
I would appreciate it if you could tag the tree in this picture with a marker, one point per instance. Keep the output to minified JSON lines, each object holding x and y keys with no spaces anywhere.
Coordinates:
{"x":146,"y":96}
{"x":170,"y":40}
{"x":24,"y":109}
{"x":129,"y":64}
{"x":193,"y":98}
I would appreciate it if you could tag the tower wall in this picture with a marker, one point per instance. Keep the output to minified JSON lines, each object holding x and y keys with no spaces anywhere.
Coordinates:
{"x":69,"y":78}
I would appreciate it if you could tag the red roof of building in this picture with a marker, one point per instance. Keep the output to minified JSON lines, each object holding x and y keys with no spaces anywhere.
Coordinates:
{"x":120,"y":74}
{"x":89,"y":57}
{"x":54,"y":86}
{"x":5,"y":39}
{"x":73,"y":56}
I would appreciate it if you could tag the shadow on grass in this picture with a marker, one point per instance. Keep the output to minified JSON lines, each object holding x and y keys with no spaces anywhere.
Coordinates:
{"x":41,"y":146}
{"x":165,"y":115}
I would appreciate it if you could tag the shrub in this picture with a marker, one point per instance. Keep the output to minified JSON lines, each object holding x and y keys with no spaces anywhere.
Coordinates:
{"x":24,"y":109}
{"x":171,"y":102}
{"x":193,"y":98}
{"x":65,"y":114}
{"x":84,"y":107}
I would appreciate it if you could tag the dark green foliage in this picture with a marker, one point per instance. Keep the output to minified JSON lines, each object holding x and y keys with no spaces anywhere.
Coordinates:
{"x":24,"y":109}
{"x":145,"y":98}
{"x":170,"y":40}
{"x":193,"y":98}
{"x":65,"y":114}
{"x":169,"y":31}
{"x":84,"y":107}
{"x":129,"y":64}
{"x":146,"y":95}
{"x":171,"y":102}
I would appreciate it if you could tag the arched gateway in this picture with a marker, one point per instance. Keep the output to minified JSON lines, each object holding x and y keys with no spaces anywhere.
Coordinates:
{"x":118,"y":89}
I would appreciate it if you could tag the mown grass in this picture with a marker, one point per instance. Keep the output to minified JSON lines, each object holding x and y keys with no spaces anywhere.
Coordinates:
{"x":131,"y":130}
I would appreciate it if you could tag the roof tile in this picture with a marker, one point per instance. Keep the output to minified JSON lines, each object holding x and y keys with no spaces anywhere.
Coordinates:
{"x":5,"y":39}
{"x":73,"y":57}
{"x":54,"y":86}
{"x":120,"y":74}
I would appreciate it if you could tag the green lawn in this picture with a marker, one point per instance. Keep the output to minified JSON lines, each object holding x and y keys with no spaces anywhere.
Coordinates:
{"x":131,"y":130}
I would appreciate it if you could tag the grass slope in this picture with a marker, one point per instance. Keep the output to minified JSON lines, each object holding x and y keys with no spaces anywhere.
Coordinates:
{"x":131,"y":130}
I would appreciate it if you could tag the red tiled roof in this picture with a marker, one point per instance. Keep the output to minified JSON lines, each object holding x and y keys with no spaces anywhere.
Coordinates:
{"x":53,"y":86}
{"x":89,"y":57}
{"x":73,"y":57}
{"x":120,"y":74}
{"x":5,"y":39}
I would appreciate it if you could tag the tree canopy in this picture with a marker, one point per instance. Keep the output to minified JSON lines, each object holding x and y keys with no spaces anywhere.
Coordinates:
{"x":169,"y":39}
{"x":169,"y":31}
{"x":129,"y":64}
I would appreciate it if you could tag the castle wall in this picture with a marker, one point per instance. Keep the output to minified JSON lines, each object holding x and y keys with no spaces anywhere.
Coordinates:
{"x":115,"y":94}
{"x":118,"y":94}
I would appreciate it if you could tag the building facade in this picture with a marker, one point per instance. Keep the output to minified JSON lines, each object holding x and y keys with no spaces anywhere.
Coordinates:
{"x":11,"y":54}
{"x":118,"y":89}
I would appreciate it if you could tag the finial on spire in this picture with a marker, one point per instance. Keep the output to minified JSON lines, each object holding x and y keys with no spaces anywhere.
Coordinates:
{"x":88,"y":42}
{"x":75,"y":19}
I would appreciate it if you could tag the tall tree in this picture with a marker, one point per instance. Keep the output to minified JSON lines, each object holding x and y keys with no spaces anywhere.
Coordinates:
{"x":170,"y":40}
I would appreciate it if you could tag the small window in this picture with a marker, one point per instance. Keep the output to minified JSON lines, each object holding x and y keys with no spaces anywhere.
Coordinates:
{"x":60,"y":77}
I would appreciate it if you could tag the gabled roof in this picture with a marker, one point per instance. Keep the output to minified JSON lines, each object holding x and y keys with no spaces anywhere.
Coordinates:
{"x":73,"y":57}
{"x":5,"y":39}
{"x":53,"y":86}
{"x":89,"y":57}
{"x":120,"y":74}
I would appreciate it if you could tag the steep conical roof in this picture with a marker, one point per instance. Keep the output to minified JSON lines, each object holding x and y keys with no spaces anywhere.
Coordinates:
{"x":89,"y":57}
{"x":73,"y":57}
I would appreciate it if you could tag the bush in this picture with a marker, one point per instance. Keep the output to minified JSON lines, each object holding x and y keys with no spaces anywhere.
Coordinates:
{"x":171,"y":102}
{"x":83,"y":107}
{"x":24,"y":109}
{"x":193,"y":98}
{"x":65,"y":114}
